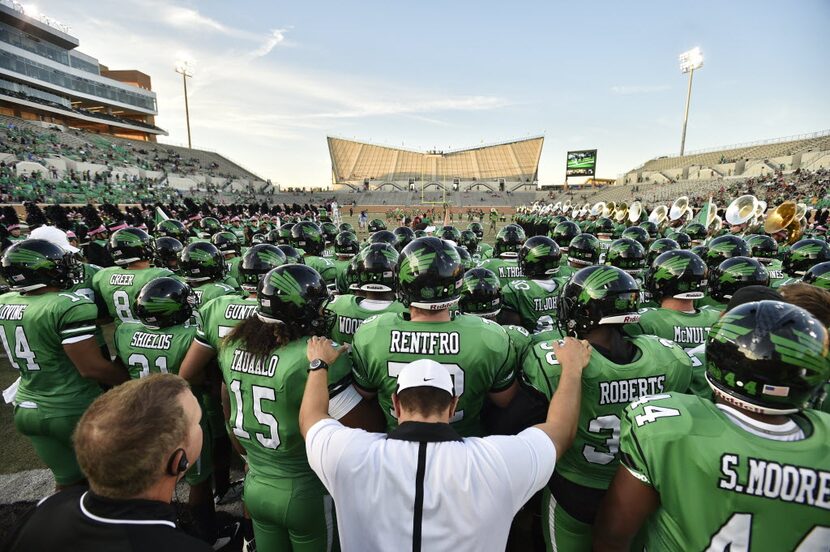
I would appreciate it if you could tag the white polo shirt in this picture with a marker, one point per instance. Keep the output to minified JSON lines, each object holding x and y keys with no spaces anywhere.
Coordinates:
{"x":471,"y":488}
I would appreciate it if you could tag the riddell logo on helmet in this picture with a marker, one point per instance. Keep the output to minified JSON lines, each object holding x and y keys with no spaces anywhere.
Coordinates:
{"x":631,"y":319}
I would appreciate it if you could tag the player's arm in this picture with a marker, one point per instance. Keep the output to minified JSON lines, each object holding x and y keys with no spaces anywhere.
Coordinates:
{"x":505,"y":386}
{"x":359,"y":371}
{"x":563,"y":413}
{"x":226,"y":411}
{"x":624,"y":509}
{"x":91,"y":364}
{"x":198,"y":357}
{"x":509,"y":317}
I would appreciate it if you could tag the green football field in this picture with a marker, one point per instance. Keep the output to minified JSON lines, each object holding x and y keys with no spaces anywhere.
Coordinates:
{"x":585,"y":163}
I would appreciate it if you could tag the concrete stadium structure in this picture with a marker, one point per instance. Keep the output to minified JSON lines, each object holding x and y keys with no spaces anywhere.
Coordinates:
{"x":505,"y":166}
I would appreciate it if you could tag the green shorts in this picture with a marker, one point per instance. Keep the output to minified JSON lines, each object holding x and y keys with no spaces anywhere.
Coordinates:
{"x":291,"y":513}
{"x":51,"y":437}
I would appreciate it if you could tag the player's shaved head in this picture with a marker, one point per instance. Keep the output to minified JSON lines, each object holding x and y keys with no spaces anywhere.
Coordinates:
{"x":126,"y":437}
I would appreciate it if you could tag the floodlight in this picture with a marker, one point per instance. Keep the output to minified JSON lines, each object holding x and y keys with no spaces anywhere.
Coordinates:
{"x":691,"y":60}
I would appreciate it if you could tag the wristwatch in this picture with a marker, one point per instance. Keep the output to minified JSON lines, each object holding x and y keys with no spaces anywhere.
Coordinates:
{"x":317,"y":364}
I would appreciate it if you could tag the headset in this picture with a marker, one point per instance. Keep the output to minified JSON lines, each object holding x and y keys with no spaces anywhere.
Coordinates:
{"x":176,"y":468}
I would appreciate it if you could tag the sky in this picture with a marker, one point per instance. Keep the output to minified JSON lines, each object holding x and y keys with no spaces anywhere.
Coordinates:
{"x":272,"y":79}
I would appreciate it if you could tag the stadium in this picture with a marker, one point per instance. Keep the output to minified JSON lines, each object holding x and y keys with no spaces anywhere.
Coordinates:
{"x":596,"y":317}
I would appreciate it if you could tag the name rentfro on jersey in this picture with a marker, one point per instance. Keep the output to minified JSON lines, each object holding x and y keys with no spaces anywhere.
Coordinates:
{"x":425,"y":343}
{"x":772,"y":480}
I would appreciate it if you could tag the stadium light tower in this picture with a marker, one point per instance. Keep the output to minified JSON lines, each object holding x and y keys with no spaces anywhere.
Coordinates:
{"x":689,"y":61}
{"x":185,"y":69}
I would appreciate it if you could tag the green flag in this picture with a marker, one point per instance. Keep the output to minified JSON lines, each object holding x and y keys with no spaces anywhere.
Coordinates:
{"x":160,"y":215}
{"x":703,"y":215}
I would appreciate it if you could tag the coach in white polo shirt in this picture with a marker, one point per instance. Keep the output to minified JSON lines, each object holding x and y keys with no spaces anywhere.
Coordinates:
{"x":423,"y":487}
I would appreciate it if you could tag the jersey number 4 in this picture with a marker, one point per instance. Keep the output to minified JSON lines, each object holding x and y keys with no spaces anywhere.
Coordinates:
{"x":22,"y":352}
{"x":735,"y":536}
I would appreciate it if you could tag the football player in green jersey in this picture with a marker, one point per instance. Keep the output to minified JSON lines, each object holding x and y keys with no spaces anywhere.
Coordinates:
{"x":375,"y":276}
{"x":48,"y":336}
{"x":264,"y":365}
{"x":403,"y":235}
{"x":749,"y":471}
{"x":306,"y":235}
{"x":594,"y":305}
{"x":481,"y":296}
{"x":118,"y":286}
{"x":203,"y":267}
{"x":229,"y":245}
{"x":346,"y":246}
{"x":158,"y":344}
{"x":329,"y":231}
{"x":476,"y":351}
{"x":173,"y":229}
{"x":505,"y":260}
{"x":733,"y":274}
{"x":765,"y":249}
{"x":799,"y":258}
{"x":675,"y":280}
{"x":583,"y":250}
{"x":484,"y":250}
{"x":818,"y":275}
{"x":166,"y":252}
{"x":531,"y":303}
{"x":629,"y":255}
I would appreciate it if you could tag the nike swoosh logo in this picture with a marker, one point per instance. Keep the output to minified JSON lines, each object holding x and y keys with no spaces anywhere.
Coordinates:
{"x":428,"y":379}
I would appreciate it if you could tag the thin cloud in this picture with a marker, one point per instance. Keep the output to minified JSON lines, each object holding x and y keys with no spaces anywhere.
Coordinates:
{"x":274,"y":39}
{"x":628,"y":90}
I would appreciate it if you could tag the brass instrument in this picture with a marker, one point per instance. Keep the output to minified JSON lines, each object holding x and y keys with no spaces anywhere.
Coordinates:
{"x":785,"y":217}
{"x":659,"y":214}
{"x":620,"y":213}
{"x":679,"y":208}
{"x":742,"y":210}
{"x":598,"y":209}
{"x":635,"y":211}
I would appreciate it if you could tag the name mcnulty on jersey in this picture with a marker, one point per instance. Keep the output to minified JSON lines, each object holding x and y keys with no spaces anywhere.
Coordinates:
{"x":776,"y":481}
{"x":12,"y":312}
{"x":122,"y":279}
{"x":425,"y":343}
{"x":625,"y":391}
{"x":690,"y":334}
{"x":249,"y":363}
{"x":239,"y":312}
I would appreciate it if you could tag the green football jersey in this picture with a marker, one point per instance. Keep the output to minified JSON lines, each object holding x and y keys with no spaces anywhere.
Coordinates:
{"x":476,"y":352}
{"x":350,"y":311}
{"x":710,"y":303}
{"x":146,"y":351}
{"x":218,"y":317}
{"x":484,"y":251}
{"x":659,"y":366}
{"x":34,"y":329}
{"x":118,"y":288}
{"x":265,"y":396}
{"x":532,"y":300}
{"x":723,"y":488}
{"x":520,"y":340}
{"x":84,"y":285}
{"x":686,"y":329}
{"x":233,"y":268}
{"x":340,"y":267}
{"x":325,"y":267}
{"x":506,"y":269}
{"x":211,"y":290}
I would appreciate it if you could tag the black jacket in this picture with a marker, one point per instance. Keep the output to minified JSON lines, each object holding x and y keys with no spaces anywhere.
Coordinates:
{"x":78,"y":520}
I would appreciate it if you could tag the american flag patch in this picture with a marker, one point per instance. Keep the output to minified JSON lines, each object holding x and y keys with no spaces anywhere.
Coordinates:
{"x":776,"y":391}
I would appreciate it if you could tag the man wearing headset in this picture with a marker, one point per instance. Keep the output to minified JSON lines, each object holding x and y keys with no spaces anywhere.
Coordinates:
{"x":133,"y":444}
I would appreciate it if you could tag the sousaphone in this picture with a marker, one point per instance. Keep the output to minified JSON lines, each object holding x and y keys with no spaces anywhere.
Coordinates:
{"x":785,"y":217}
{"x":635,"y":211}
{"x":679,"y":208}
{"x":742,"y":210}
{"x":597,"y":209}
{"x":620,"y":213}
{"x":659,"y":214}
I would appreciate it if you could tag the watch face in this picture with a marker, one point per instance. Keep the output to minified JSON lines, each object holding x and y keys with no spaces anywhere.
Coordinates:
{"x":316,"y":363}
